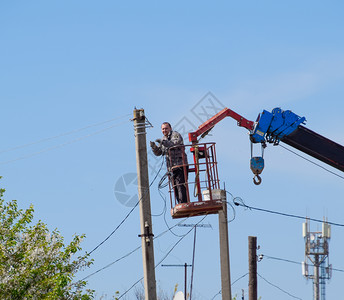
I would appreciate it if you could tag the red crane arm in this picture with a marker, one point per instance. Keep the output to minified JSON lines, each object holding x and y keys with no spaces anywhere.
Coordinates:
{"x":209,"y":124}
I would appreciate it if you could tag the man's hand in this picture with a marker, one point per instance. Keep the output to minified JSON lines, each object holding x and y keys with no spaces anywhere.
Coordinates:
{"x":156,"y":149}
{"x":152,"y":144}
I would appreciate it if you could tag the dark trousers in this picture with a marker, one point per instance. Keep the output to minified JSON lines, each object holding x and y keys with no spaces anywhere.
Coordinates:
{"x":179,"y":185}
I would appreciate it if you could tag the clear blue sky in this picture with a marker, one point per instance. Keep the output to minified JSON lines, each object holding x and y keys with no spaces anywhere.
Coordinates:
{"x":67,"y":65}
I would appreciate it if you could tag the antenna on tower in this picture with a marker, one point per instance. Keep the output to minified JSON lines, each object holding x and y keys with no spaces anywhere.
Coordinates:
{"x":317,"y":254}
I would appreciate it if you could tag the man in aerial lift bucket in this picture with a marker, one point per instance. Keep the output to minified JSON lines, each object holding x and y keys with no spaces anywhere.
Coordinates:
{"x":176,"y":159}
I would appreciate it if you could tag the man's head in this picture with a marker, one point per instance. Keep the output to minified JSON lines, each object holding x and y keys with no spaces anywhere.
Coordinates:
{"x":166,"y":128}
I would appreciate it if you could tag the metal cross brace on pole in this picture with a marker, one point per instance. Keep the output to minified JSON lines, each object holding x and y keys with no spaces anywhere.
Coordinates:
{"x":194,"y":249}
{"x":185,"y":272}
{"x":195,"y":225}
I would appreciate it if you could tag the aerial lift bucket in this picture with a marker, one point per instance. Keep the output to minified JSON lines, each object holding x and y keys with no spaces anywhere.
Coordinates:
{"x":202,"y":186}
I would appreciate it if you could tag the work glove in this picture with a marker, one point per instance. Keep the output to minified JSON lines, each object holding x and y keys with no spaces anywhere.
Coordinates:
{"x":158,"y":141}
{"x":153,"y":146}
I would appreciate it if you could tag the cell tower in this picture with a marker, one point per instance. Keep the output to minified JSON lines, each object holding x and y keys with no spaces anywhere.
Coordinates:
{"x":317,"y":254}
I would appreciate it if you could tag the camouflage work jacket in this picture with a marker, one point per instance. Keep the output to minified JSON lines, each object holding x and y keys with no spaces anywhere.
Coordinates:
{"x":175,"y":156}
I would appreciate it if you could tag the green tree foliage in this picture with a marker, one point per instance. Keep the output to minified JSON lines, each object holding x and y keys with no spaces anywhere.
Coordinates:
{"x":34,"y":262}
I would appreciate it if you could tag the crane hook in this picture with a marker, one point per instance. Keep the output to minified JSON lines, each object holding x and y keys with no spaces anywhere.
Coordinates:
{"x":258,"y":178}
{"x":257,"y":165}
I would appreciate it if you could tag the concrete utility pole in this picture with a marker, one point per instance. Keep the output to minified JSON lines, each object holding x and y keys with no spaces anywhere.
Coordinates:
{"x":224,"y":251}
{"x":252,"y":266}
{"x":145,"y":209}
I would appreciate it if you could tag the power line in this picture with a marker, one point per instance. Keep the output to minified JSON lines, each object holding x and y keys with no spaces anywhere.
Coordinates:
{"x":112,"y":263}
{"x":180,"y":241}
{"x":232,"y":207}
{"x":314,"y":163}
{"x":239,"y":202}
{"x":280,"y":259}
{"x":277,"y":287}
{"x":239,"y":278}
{"x":170,"y":228}
{"x":293,"y":262}
{"x":128,"y":254}
{"x":338,"y":270}
{"x":118,"y":226}
{"x":193,"y":262}
{"x":163,"y":197}
{"x":168,"y":253}
{"x":235,"y":281}
{"x":61,"y":145}
{"x":62,"y":134}
{"x":126,"y":217}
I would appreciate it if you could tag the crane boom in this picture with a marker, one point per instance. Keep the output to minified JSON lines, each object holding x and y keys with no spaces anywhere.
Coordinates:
{"x":317,"y":146}
{"x":285,"y":126}
{"x":279,"y":126}
{"x":209,"y":124}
